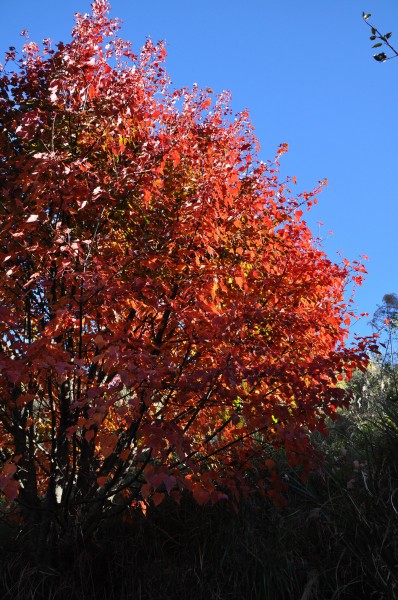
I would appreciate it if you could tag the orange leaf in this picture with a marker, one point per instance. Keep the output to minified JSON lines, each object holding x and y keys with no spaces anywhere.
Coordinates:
{"x":92,"y":92}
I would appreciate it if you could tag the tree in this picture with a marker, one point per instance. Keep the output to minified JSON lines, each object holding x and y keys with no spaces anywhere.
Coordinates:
{"x":386,"y":314}
{"x":165,"y":312}
{"x":385,"y":324}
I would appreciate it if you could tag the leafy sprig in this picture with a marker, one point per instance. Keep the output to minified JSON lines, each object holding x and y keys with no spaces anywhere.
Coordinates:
{"x":380,"y":40}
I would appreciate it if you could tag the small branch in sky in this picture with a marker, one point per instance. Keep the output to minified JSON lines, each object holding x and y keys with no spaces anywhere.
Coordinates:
{"x":380,"y":40}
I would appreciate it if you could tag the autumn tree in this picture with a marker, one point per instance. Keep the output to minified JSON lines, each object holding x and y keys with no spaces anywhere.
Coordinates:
{"x":166,"y":314}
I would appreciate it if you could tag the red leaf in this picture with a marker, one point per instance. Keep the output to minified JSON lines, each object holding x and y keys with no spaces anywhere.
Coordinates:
{"x":11,"y":490}
{"x":89,"y":435}
{"x":157,"y":498}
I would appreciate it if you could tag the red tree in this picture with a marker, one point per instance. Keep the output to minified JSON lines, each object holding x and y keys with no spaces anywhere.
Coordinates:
{"x":165,"y":312}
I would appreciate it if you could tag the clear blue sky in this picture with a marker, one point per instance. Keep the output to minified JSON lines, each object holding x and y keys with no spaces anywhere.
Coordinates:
{"x":305,"y":72}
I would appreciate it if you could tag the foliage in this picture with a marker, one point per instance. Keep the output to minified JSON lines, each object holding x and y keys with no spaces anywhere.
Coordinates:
{"x":380,"y":39}
{"x":165,"y":313}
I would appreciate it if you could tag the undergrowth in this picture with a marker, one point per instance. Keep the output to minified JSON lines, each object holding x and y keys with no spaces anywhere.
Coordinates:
{"x":336,"y":539}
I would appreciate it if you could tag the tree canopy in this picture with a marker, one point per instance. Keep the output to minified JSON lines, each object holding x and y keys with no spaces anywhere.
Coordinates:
{"x":166,"y":313}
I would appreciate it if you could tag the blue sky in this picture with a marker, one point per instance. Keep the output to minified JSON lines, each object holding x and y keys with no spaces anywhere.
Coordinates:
{"x":305,"y":72}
